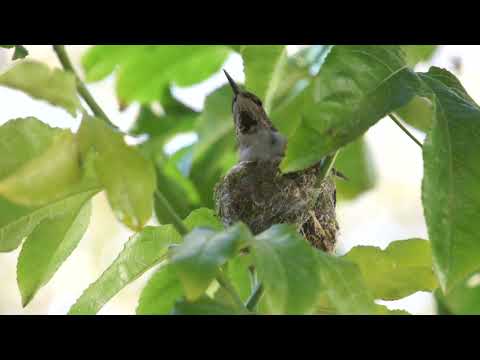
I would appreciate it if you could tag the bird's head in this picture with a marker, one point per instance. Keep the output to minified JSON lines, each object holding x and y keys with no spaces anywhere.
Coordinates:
{"x":247,"y":108}
{"x":256,"y":136}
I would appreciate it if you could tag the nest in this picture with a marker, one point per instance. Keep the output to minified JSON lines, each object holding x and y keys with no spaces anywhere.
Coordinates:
{"x":257,"y":194}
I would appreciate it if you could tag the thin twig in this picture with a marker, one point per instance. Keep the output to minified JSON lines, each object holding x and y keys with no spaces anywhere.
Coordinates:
{"x":255,"y":297}
{"x":326,"y":166}
{"x":225,"y":283}
{"x":82,"y":89}
{"x":404,"y":129}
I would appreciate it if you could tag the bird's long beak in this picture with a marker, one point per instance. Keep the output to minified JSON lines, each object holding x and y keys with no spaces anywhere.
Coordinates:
{"x":234,"y":86}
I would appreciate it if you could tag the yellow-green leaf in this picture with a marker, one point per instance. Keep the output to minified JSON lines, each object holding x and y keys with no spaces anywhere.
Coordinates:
{"x":344,"y":286}
{"x":402,"y":269}
{"x":203,"y":217}
{"x":417,"y":113}
{"x":143,"y":251}
{"x":46,"y":177}
{"x":418,"y":53}
{"x":128,"y":178}
{"x":47,"y":247}
{"x":160,"y":294}
{"x":39,"y":81}
{"x":287,"y":268}
{"x":39,"y":164}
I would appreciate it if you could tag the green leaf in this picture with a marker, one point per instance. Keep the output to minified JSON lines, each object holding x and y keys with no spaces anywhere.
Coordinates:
{"x":417,"y":113}
{"x":239,"y":274}
{"x":203,"y":306}
{"x":356,"y":162}
{"x":296,"y":78}
{"x":20,"y":51}
{"x":344,"y":286}
{"x":143,"y":251}
{"x":198,"y":258}
{"x":144,"y":72}
{"x":286,"y":116}
{"x":128,"y":177}
{"x":160,"y":294}
{"x":203,"y":217}
{"x":325,"y":307}
{"x":39,"y":164}
{"x":224,"y":297}
{"x":176,"y":195}
{"x":418,"y":53}
{"x":383,"y":310}
{"x":287,"y":268}
{"x":214,"y":154}
{"x":355,"y":88}
{"x":402,"y":269}
{"x":20,"y":141}
{"x":462,"y":299}
{"x":176,"y":118}
{"x":290,"y":99}
{"x":264,"y":67}
{"x":40,"y":82}
{"x":450,"y":195}
{"x":177,"y":189}
{"x":48,"y":246}
{"x":17,"y":222}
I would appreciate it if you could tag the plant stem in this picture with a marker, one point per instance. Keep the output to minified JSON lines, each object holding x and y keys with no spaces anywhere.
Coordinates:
{"x":327,"y":165}
{"x":176,"y":221}
{"x":82,"y":89}
{"x":225,"y":283}
{"x":400,"y":125}
{"x":255,"y":297}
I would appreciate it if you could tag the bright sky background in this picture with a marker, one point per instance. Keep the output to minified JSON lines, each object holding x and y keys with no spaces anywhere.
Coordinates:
{"x":392,"y":211}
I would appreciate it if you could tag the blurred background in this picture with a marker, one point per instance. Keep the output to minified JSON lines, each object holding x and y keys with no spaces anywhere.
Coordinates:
{"x":390,"y":211}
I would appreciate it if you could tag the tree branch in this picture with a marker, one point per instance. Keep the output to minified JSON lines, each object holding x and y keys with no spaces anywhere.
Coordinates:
{"x":82,"y":89}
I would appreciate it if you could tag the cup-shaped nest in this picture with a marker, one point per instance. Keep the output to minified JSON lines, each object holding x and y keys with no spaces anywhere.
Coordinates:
{"x":257,"y":194}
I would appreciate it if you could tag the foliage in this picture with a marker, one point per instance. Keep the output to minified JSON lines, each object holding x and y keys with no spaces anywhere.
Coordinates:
{"x":323,"y":98}
{"x":403,"y":268}
{"x":36,"y":79}
{"x":19,"y":53}
{"x":450,"y":197}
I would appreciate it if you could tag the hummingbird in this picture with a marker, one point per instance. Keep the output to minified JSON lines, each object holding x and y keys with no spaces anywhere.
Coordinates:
{"x":257,"y":138}
{"x":256,"y":193}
